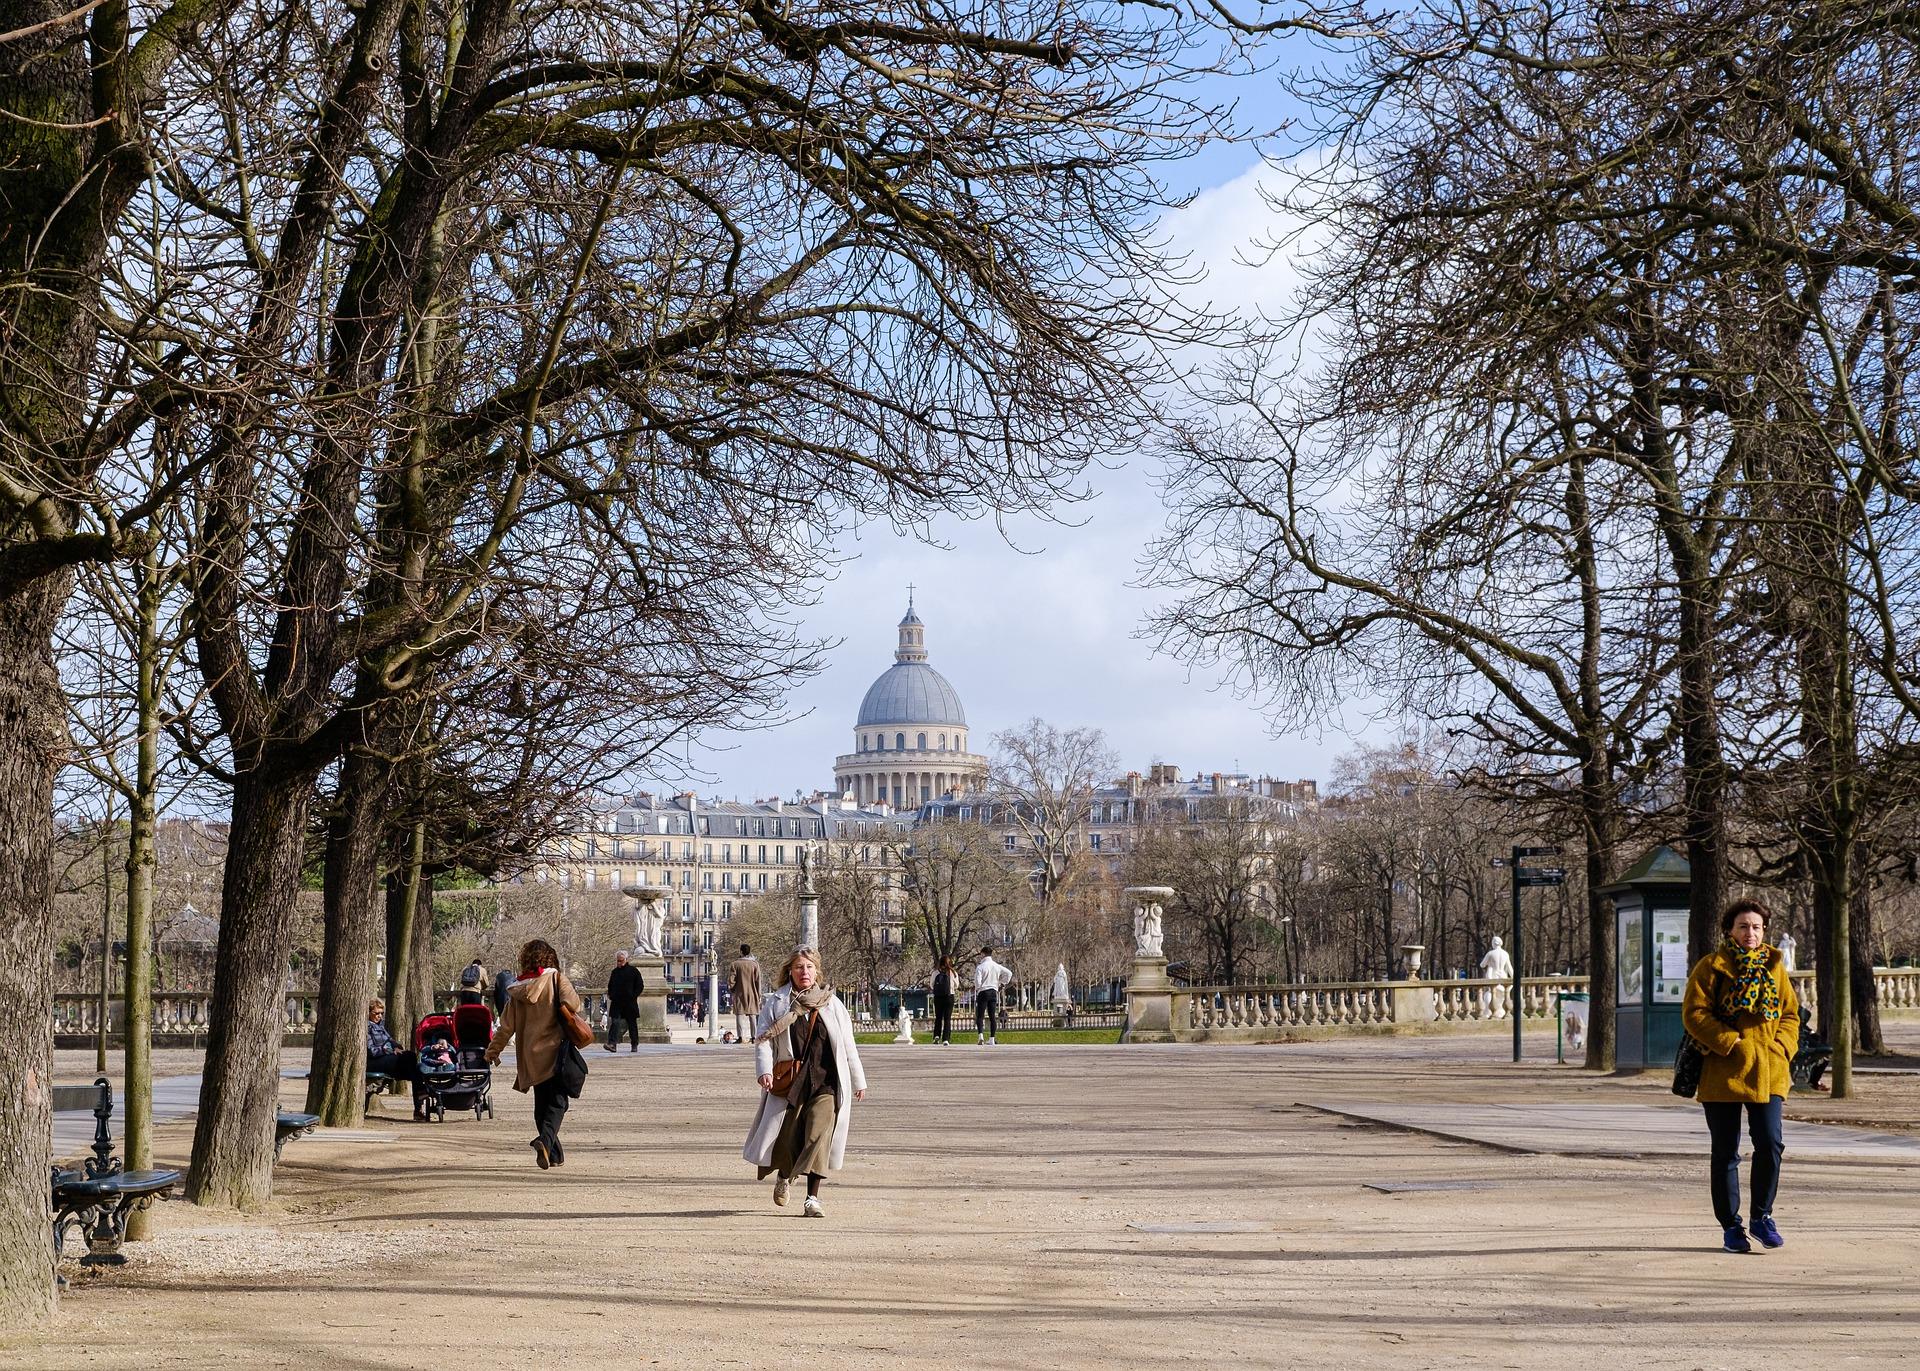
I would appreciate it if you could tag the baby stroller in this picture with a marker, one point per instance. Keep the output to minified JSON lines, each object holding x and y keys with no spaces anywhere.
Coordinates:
{"x":452,"y":1051}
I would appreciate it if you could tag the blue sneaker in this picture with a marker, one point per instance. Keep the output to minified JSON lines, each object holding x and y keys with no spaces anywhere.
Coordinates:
{"x":1769,"y":1235}
{"x":1734,"y":1239}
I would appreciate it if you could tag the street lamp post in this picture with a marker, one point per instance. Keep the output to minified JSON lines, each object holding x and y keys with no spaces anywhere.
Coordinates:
{"x":713,"y":997}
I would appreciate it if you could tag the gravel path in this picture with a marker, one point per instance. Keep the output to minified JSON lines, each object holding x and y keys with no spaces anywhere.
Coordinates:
{"x":1050,"y":1207}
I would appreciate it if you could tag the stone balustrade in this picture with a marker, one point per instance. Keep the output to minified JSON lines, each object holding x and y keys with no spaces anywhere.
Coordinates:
{"x":1253,"y":1011}
{"x":1198,"y":1011}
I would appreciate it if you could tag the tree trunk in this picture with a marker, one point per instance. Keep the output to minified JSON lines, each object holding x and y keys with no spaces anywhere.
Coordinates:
{"x":137,"y":1094}
{"x":239,"y":1095}
{"x":1866,"y":999}
{"x":32,"y":743}
{"x":1597,"y":818}
{"x":401,"y":885}
{"x":354,"y":836}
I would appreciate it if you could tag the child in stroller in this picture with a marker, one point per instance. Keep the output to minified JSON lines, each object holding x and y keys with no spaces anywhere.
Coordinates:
{"x":452,"y":1052}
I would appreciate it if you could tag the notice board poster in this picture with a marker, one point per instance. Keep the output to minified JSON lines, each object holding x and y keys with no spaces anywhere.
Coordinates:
{"x":1669,"y":955}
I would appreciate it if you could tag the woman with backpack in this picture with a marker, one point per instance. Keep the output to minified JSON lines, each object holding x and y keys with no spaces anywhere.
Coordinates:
{"x":534,"y":1007}
{"x":470,"y":984}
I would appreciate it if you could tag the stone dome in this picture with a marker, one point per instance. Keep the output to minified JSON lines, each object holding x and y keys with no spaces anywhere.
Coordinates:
{"x":911,"y":693}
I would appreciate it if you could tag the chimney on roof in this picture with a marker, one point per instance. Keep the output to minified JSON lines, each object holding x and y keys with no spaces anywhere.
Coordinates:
{"x":688,"y":800}
{"x":1133,"y":785}
{"x":1219,"y":784}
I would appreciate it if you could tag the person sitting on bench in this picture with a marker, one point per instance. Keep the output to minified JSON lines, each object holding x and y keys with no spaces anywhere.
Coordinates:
{"x":384,"y":1055}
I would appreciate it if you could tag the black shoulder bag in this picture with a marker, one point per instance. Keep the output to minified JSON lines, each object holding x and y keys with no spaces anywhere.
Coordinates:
{"x":569,"y":1068}
{"x":1689,"y":1060}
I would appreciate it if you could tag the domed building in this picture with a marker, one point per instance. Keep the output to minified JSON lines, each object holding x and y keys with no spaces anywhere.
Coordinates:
{"x":910,"y":741}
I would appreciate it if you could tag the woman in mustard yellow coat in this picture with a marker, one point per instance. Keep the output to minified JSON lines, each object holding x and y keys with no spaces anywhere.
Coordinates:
{"x":1741,"y":1009}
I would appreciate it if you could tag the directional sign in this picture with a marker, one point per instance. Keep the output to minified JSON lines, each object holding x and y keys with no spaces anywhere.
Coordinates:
{"x":1536,"y":852}
{"x":1540,"y":875}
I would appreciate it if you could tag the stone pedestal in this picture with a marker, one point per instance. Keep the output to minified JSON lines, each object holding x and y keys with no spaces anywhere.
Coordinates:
{"x":653,"y":999}
{"x":1149,"y":1003}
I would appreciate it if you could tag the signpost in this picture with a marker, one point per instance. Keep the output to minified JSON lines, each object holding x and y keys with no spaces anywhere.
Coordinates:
{"x":1522,"y":877}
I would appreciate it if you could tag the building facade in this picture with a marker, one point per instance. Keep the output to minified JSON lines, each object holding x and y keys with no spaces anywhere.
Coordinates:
{"x":910,"y":737}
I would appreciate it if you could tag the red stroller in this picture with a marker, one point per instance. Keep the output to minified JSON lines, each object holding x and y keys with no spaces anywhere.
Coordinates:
{"x":452,"y":1052}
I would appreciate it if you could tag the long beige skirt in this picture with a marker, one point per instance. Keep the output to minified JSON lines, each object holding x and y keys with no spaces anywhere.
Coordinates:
{"x":805,"y":1144}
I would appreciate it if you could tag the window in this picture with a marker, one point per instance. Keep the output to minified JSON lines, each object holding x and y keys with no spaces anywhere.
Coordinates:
{"x":866,"y":743}
{"x":943,"y":742}
{"x":706,"y":909}
{"x":706,"y":877}
{"x":899,"y":742}
{"x":966,"y":812}
{"x":686,"y":940}
{"x":866,"y":855}
{"x":726,"y":909}
{"x":880,"y":742}
{"x":763,"y":880}
{"x":780,"y":855}
{"x":780,"y":881}
{"x":1010,"y":842}
{"x":686,"y":909}
{"x":762,"y":858}
{"x":686,"y":852}
{"x":686,"y":880}
{"x":706,"y":940}
{"x":706,"y":852}
{"x":726,"y":852}
{"x":593,"y":847}
{"x":922,"y":744}
{"x":1093,"y":842}
{"x":726,"y":880}
{"x":587,"y":880}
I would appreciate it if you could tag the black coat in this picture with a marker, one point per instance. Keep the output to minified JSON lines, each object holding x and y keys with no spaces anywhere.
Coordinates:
{"x":623,"y":991}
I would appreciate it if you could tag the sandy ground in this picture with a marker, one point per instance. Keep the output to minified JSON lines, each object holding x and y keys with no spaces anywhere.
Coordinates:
{"x":984,"y":1219}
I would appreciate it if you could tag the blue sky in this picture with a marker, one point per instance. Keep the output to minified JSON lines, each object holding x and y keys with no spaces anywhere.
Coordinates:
{"x":1042,"y":621}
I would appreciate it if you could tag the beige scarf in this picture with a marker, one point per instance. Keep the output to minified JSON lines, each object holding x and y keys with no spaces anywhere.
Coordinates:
{"x":804,"y":1002}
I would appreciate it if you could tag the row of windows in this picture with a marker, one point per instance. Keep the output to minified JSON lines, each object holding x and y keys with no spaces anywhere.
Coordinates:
{"x":642,"y":851}
{"x":877,"y":742}
{"x":734,"y":825}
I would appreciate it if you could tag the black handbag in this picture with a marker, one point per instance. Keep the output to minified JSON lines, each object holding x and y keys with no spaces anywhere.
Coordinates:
{"x":1688,"y":1061}
{"x":569,"y":1067}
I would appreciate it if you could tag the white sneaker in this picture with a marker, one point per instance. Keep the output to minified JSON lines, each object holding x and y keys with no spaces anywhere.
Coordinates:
{"x":811,"y":1209}
{"x":993,"y":1042}
{"x":780,"y":1191}
{"x":982,"y":1042}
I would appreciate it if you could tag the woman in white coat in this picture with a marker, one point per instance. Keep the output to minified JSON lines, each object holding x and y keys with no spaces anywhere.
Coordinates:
{"x":810,"y":1074}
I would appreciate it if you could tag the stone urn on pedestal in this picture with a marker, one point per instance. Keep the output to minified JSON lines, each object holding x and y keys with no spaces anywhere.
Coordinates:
{"x":649,"y":931}
{"x":1149,"y":991}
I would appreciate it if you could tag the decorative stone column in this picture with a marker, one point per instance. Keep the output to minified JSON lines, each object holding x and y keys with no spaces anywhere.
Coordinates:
{"x":1412,"y":999}
{"x":1149,"y":991}
{"x":809,"y":907}
{"x":648,"y":959}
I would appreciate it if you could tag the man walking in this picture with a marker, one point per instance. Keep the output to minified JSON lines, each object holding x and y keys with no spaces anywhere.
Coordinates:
{"x":989,"y":979}
{"x":623,"y":1002}
{"x":744,"y":985}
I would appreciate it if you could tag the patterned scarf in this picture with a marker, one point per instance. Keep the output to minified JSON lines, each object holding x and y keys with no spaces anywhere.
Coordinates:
{"x":1753,"y":990}
{"x":806,"y":1001}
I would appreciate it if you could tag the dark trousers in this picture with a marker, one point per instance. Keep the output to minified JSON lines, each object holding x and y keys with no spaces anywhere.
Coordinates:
{"x":985,"y":1004}
{"x":402,"y":1066}
{"x":1764,"y":1127}
{"x":943,"y":1019}
{"x":549,"y":1107}
{"x":617,"y":1021}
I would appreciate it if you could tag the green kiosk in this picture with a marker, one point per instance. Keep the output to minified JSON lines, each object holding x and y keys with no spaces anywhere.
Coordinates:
{"x":1650,"y":954}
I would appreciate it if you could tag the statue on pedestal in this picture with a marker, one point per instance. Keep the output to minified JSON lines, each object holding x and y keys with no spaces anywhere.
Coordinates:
{"x":1147,"y":938}
{"x":648,"y":921}
{"x":1062,"y":992}
{"x":1495,"y":966}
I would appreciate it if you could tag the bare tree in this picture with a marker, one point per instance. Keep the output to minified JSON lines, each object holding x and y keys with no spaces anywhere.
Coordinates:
{"x":1043,"y":780}
{"x":960,"y":889}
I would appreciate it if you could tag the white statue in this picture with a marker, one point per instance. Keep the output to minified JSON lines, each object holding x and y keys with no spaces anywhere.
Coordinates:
{"x":1062,"y":993}
{"x":1495,"y":966}
{"x":1147,"y":939}
{"x":648,"y":922}
{"x":1786,"y":946}
{"x":905,"y":1035}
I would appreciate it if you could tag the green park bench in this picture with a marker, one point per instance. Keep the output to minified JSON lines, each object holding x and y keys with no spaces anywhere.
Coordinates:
{"x":101,"y":1193}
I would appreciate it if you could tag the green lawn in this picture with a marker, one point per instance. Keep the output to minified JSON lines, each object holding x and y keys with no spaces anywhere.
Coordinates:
{"x":1013,"y":1037}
